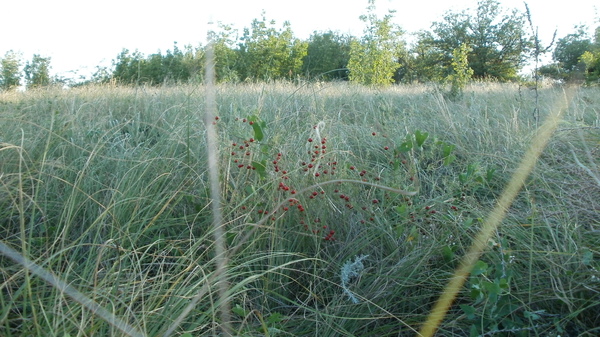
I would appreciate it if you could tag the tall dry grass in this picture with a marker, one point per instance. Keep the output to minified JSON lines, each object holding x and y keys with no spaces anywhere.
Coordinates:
{"x":107,"y":189}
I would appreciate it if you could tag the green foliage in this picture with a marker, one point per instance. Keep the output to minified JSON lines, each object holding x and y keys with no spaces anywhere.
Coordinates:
{"x":10,"y":73}
{"x":570,"y":48}
{"x":373,"y":58}
{"x":591,"y":59}
{"x":267,"y":53}
{"x":592,"y":64}
{"x":493,"y":308}
{"x":428,"y":63}
{"x":227,"y":58}
{"x":327,"y":56}
{"x":175,"y":66}
{"x":37,"y":72}
{"x":568,"y":64}
{"x":461,"y":74}
{"x":498,"y":42}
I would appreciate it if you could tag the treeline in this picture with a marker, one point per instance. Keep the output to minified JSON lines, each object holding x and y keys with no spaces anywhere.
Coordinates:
{"x":487,"y":43}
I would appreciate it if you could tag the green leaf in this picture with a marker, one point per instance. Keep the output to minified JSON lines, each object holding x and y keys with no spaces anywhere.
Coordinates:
{"x":464,"y":177}
{"x":257,"y":126}
{"x":492,"y":287}
{"x":421,"y":137}
{"x":447,"y":149}
{"x":402,"y":209}
{"x":448,"y":253}
{"x":249,"y":189}
{"x":468,"y":222}
{"x":405,"y":147}
{"x":468,"y":310}
{"x":474,"y":331}
{"x":275,"y":318}
{"x":479,"y":268}
{"x":187,"y":334}
{"x":260,"y":168}
{"x":239,"y":311}
{"x":448,"y":160}
{"x":489,"y":174}
{"x":503,"y":284}
{"x":532,"y":315}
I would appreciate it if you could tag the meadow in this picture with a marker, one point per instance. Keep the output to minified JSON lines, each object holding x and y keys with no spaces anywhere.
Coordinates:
{"x":346,"y":210}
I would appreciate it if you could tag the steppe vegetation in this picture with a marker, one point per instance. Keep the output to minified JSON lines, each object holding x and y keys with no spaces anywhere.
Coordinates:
{"x":335,"y":186}
{"x":106,"y":187}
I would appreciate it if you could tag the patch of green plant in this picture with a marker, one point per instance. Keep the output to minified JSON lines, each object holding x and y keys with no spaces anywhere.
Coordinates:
{"x":494,"y":310}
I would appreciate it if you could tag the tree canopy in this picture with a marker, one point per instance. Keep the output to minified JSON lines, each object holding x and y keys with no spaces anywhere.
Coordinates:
{"x":497,"y":40}
{"x":374,"y":57}
{"x":10,"y":73}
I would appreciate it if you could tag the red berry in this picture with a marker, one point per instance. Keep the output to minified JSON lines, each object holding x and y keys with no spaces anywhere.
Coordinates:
{"x":310,"y":140}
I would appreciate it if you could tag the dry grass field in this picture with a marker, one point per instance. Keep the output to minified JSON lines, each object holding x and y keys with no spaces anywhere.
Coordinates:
{"x":106,"y":190}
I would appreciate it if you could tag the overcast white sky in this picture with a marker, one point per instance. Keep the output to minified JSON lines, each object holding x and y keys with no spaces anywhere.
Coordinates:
{"x":81,"y":34}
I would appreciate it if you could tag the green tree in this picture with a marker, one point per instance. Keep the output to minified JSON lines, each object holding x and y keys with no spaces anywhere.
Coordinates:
{"x":128,"y":67}
{"x":570,"y":48}
{"x":37,"y":72}
{"x":373,"y":58}
{"x":429,"y":64}
{"x":10,"y":74}
{"x":267,"y":53}
{"x":152,"y":70}
{"x":193,"y":62}
{"x":461,"y":73}
{"x":498,"y":40}
{"x":174,"y":67}
{"x":592,"y":64}
{"x":226,"y":55}
{"x":327,"y":56}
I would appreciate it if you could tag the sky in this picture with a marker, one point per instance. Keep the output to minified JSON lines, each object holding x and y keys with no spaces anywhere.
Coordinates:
{"x":80,"y":35}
